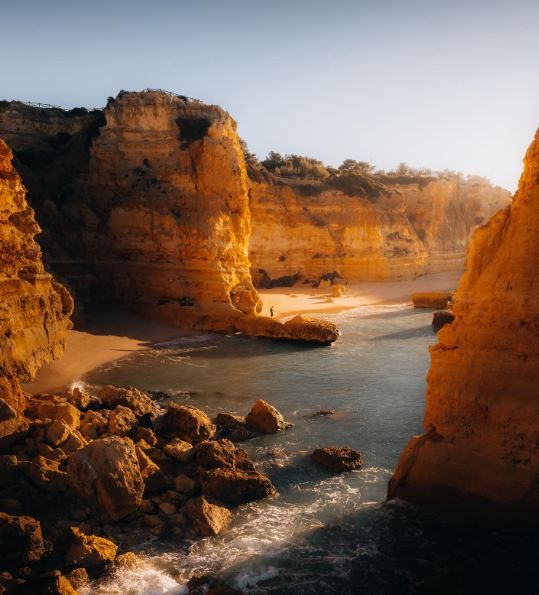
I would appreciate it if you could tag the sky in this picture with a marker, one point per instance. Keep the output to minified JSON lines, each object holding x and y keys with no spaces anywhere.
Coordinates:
{"x":439,"y":84}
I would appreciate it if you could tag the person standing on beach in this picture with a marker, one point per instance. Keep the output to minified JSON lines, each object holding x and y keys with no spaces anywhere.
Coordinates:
{"x":271,"y":311}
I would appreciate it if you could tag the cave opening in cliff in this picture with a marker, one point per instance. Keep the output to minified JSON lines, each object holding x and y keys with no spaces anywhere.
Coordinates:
{"x":192,"y":129}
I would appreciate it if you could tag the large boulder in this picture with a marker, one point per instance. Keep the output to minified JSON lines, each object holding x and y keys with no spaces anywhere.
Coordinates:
{"x":140,"y":403}
{"x":188,"y":423}
{"x":88,"y":551}
{"x":264,"y":418}
{"x":208,"y":516}
{"x":235,"y":486}
{"x":122,"y":421}
{"x":337,"y":459}
{"x":107,"y":471}
{"x":21,"y":540}
{"x":211,"y":454}
{"x":56,"y":409}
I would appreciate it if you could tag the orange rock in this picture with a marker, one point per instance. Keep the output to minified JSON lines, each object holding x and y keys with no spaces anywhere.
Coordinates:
{"x":432,"y":299}
{"x":478,"y":458}
{"x":34,"y":310}
{"x":208,"y":516}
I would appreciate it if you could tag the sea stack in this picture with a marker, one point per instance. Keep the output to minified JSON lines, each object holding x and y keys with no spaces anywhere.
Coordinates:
{"x":479,"y":456}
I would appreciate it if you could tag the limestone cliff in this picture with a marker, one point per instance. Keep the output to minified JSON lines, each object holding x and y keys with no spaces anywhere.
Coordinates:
{"x":479,"y":457}
{"x":34,"y":309}
{"x":152,"y":210}
{"x":403,"y":229}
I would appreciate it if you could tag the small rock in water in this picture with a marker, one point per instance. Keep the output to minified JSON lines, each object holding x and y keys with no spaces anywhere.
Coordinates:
{"x":337,"y":459}
{"x":264,"y":418}
{"x":324,"y":413}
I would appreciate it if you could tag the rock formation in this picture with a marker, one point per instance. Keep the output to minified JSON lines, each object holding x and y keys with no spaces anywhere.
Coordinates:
{"x":479,"y":456}
{"x":389,"y":228}
{"x":148,"y":203}
{"x":34,"y":309}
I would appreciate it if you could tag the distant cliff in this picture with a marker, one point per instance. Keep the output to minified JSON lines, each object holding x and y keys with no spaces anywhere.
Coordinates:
{"x":387,"y":227}
{"x":479,"y":456}
{"x":34,"y":309}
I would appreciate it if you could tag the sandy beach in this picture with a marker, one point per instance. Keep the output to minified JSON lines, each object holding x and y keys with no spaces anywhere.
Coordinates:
{"x":304,"y":299}
{"x":111,"y":335}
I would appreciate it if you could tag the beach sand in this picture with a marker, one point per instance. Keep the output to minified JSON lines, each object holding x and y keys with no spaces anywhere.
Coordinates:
{"x":113,"y":334}
{"x":304,"y":299}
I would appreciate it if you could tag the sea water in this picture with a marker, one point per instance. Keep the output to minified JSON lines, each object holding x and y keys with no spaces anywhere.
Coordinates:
{"x":324,"y":532}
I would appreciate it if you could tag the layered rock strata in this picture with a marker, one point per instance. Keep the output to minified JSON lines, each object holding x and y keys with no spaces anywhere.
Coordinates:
{"x":391,"y":228}
{"x":34,"y":309}
{"x":479,"y":455}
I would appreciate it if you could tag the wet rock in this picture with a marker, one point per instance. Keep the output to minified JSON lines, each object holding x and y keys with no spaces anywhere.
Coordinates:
{"x":235,"y":486}
{"x":46,"y":475}
{"x":107,"y":471}
{"x":324,"y":413}
{"x":78,"y":578}
{"x":140,"y":403}
{"x":188,"y":423}
{"x":154,"y":478}
{"x":180,"y":450}
{"x":233,"y":427}
{"x":129,"y":560}
{"x":441,"y":318}
{"x":93,"y":424}
{"x":89,"y":550}
{"x":264,"y":418}
{"x":208,"y":516}
{"x":122,"y":421}
{"x":80,"y":398}
{"x":337,"y":459}
{"x":209,"y":585}
{"x":21,"y":540}
{"x":211,"y":454}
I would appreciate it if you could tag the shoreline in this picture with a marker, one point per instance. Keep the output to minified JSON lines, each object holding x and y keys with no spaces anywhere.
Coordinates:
{"x":113,"y":334}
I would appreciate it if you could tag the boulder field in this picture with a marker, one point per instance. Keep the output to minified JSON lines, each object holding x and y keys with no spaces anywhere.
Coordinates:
{"x":77,"y":491}
{"x":478,"y":458}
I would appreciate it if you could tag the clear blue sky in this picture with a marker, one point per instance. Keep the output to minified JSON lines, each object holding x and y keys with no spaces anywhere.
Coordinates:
{"x":449,"y":83}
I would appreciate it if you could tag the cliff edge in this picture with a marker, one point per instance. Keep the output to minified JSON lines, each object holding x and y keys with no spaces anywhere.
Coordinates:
{"x":479,"y":456}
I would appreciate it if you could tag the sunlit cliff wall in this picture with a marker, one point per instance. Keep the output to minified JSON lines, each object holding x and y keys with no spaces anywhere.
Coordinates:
{"x":479,"y":456}
{"x":405,"y":230}
{"x":34,"y":309}
{"x":150,"y":209}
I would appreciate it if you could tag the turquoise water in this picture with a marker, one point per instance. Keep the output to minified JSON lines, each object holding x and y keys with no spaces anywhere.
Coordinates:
{"x":323,"y":533}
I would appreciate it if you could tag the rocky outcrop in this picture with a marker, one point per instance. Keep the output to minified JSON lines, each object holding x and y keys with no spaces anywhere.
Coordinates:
{"x":478,"y":457}
{"x":337,"y":458}
{"x":156,"y":211}
{"x":34,"y":309}
{"x":390,"y":228}
{"x":145,"y":204}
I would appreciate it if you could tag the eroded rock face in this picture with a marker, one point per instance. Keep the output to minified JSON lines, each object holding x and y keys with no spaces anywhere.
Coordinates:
{"x":478,"y":458}
{"x":394,"y":229}
{"x":34,"y":309}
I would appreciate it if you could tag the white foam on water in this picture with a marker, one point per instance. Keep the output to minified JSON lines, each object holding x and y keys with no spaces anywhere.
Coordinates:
{"x":179,"y":341}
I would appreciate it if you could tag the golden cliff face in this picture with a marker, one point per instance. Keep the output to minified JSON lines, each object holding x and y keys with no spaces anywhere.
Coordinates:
{"x":34,"y":310}
{"x":479,"y":457}
{"x":167,"y":182}
{"x":408,"y":230}
{"x":312,"y":235}
{"x":151,"y":209}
